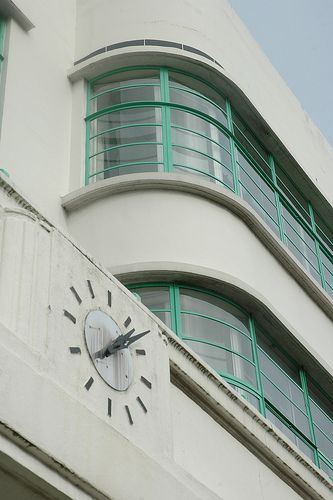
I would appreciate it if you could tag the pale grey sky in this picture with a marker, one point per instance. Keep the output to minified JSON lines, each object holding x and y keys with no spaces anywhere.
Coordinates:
{"x":297,"y":36}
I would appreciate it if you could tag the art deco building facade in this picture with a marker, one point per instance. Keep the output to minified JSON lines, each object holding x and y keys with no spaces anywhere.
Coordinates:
{"x":166,"y":263}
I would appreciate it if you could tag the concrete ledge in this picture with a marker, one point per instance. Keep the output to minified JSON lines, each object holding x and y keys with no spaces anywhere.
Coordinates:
{"x":9,"y":9}
{"x":217,"y":194}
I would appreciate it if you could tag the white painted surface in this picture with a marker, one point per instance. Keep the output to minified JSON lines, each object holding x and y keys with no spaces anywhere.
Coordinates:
{"x":36,"y":121}
{"x":232,"y":472}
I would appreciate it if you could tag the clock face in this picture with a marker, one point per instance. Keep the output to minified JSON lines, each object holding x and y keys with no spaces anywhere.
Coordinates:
{"x":115,"y":367}
{"x":110,"y":347}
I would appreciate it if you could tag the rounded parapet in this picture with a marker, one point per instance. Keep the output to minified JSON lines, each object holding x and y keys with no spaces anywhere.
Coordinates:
{"x":155,"y":223}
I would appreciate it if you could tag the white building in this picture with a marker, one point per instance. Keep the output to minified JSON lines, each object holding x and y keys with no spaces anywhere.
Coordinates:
{"x":154,"y":142}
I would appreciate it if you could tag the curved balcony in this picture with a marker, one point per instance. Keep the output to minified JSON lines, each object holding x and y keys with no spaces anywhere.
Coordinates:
{"x":150,"y":119}
{"x":232,"y":342}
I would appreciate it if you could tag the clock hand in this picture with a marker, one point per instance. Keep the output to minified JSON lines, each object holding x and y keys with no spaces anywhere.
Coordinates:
{"x":136,"y":337}
{"x":124,"y":343}
{"x":121,"y":342}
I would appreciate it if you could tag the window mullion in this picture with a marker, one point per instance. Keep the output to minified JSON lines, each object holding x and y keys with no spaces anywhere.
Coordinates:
{"x":175,"y":310}
{"x":256,"y":363}
{"x":309,"y":414}
{"x":166,"y":120}
{"x":317,"y":246}
{"x":277,"y":197}
{"x":88,"y":126}
{"x":232,"y":148}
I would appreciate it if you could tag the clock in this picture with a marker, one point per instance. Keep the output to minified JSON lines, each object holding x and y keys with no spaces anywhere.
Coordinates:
{"x":111,"y":346}
{"x":108,"y":349}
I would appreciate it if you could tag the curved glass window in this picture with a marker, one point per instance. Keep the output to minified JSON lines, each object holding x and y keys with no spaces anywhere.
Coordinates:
{"x":163,"y":120}
{"x":228,"y":339}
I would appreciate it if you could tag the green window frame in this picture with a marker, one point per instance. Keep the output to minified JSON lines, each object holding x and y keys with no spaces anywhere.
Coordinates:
{"x":230,"y":340}
{"x":158,"y":119}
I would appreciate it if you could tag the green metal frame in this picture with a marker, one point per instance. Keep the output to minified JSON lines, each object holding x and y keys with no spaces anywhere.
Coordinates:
{"x":264,"y":403}
{"x":260,"y":170}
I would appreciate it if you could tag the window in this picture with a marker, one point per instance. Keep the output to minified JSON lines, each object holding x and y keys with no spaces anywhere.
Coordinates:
{"x":227,"y":338}
{"x":162,"y":120}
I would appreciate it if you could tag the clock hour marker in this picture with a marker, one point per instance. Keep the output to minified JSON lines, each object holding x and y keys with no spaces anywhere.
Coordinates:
{"x":89,"y":383}
{"x":129,"y":414}
{"x":76,"y":295}
{"x":109,"y":298}
{"x":127,"y":322}
{"x":69,"y":316}
{"x":109,"y":407}
{"x":146,"y":382}
{"x":139,"y":400}
{"x":75,"y":350}
{"x":140,"y":352}
{"x":91,"y":289}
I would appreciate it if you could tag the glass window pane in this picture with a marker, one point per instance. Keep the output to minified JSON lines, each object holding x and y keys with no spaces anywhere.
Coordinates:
{"x":164,"y":316}
{"x":251,"y":144}
{"x":134,"y":77}
{"x":201,"y":144}
{"x":125,"y":95}
{"x":181,"y":81}
{"x":127,"y":169}
{"x":192,"y":122}
{"x":257,"y":193}
{"x":224,"y":361}
{"x":185,"y":98}
{"x":292,"y":193}
{"x":194,"y":161}
{"x":306,"y":449}
{"x":154,"y":297}
{"x":324,"y":231}
{"x":209,"y":305}
{"x":212,"y":331}
{"x":321,"y":411}
{"x":247,"y":395}
{"x":132,"y":154}
{"x":145,"y":133}
{"x":324,"y":444}
{"x":285,"y":406}
{"x":132,"y":116}
{"x":326,"y":468}
{"x":281,"y":373}
{"x":300,"y":243}
{"x":328,"y":272}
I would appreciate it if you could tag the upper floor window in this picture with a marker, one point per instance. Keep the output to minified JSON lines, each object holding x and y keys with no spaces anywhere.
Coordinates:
{"x":232,"y":343}
{"x":162,"y":120}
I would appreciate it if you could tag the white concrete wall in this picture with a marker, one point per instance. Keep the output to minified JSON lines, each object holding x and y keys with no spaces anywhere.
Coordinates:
{"x":232,"y":473}
{"x":36,"y":121}
{"x":213,"y":27}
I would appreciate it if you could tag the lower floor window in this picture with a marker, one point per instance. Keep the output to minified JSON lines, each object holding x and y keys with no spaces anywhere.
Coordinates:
{"x":228,"y":339}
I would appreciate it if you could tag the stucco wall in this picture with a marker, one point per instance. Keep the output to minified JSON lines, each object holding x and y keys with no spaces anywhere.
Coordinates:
{"x":36,"y":120}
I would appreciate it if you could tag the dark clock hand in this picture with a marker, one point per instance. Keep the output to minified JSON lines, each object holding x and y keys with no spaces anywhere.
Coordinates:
{"x":121,"y":342}
{"x":124,"y":341}
{"x":136,"y":337}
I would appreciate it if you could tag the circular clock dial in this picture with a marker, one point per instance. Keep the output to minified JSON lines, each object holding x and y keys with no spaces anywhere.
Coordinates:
{"x":114,"y":366}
